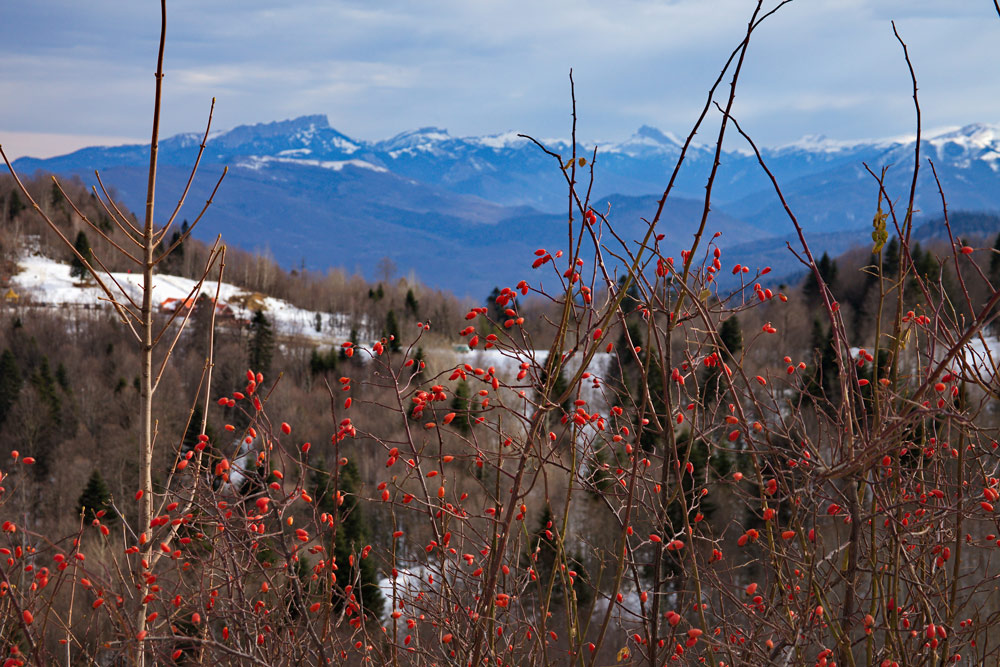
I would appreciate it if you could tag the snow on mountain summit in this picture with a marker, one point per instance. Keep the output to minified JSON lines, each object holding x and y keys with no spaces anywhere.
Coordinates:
{"x":425,"y":139}
{"x":979,"y":135}
{"x":307,"y":133}
{"x":499,"y":141}
{"x":978,"y":141}
{"x":646,"y":140}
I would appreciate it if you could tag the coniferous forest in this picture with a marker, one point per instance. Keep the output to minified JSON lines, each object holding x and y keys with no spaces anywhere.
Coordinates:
{"x":637,"y":454}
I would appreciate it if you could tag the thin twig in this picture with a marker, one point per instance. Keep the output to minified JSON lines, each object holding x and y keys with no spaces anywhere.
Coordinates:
{"x":120,"y":219}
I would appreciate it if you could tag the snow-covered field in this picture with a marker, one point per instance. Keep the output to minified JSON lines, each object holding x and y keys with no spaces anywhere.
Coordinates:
{"x":507,"y":366}
{"x":46,"y":281}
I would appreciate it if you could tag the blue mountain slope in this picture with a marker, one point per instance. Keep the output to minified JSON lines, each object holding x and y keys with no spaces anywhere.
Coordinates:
{"x":466,"y":213}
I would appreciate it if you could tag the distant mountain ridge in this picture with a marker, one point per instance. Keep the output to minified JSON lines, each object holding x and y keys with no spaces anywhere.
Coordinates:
{"x":302,"y":190}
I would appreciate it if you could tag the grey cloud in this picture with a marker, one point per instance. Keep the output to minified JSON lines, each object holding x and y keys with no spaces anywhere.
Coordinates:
{"x":475,"y":67}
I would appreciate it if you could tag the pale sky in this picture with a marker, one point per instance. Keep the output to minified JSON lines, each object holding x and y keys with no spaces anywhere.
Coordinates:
{"x":80,"y":73}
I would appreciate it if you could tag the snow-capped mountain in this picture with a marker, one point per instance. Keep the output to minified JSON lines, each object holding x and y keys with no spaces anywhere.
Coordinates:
{"x":457,"y":209}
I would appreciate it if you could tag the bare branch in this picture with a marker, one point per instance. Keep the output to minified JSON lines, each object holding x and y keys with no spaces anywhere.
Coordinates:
{"x":191,"y":227}
{"x":194,"y":171}
{"x":121,"y":219}
{"x":215,"y":253}
{"x":91,"y":224}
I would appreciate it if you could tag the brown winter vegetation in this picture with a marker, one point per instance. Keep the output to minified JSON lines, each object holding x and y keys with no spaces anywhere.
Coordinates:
{"x":639,"y":467}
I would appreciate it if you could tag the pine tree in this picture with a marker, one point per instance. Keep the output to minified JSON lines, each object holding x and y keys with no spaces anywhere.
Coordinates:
{"x":890,"y":258}
{"x":495,"y":310}
{"x":622,"y":377}
{"x":45,"y":384}
{"x":461,"y":406}
{"x":559,"y":388}
{"x":412,"y":306}
{"x":62,"y":377}
{"x":925,"y":263}
{"x":185,"y":227}
{"x":96,"y":496}
{"x":827,"y":271}
{"x":543,"y":558}
{"x":175,"y":261}
{"x":353,"y":339}
{"x":77,"y":268}
{"x":10,"y":383}
{"x":261,"y":343}
{"x":194,"y":429}
{"x":543,"y":551}
{"x":731,"y":336}
{"x":731,"y":339}
{"x":352,"y":536}
{"x":200,"y":325}
{"x":14,"y":205}
{"x":826,"y":372}
{"x":599,"y":475}
{"x":632,"y":296}
{"x":697,"y":453}
{"x":650,"y":438}
{"x":995,"y":262}
{"x":321,"y":363}
{"x":392,"y":331}
{"x":55,"y":196}
{"x":994,"y":274}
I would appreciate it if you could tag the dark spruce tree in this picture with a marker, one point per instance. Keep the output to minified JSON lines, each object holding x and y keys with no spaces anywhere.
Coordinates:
{"x":77,"y":268}
{"x":45,"y":384}
{"x":828,"y":271}
{"x":352,"y":537}
{"x":731,"y":336}
{"x":194,"y":429}
{"x":62,"y":377}
{"x":543,"y":558}
{"x":322,"y":363}
{"x":418,"y":359}
{"x":994,"y":274}
{"x":412,"y":307}
{"x":559,"y":388}
{"x":10,"y":383}
{"x":543,"y":552}
{"x":261,"y":343}
{"x":890,"y":258}
{"x":55,"y":195}
{"x":14,"y":205}
{"x":716,"y":463}
{"x":461,"y":405}
{"x":731,"y":339}
{"x":825,"y":372}
{"x":96,"y":496}
{"x":493,"y":309}
{"x":650,"y":438}
{"x":353,"y":340}
{"x":392,"y":331}
{"x":995,"y":262}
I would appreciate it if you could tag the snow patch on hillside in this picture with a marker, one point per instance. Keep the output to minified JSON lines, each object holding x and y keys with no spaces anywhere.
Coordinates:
{"x":49,"y":282}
